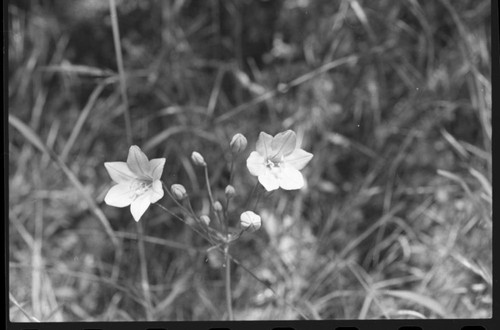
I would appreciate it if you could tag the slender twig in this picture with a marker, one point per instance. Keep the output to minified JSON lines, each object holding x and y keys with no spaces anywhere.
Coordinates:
{"x":121,"y":71}
{"x":144,"y":272}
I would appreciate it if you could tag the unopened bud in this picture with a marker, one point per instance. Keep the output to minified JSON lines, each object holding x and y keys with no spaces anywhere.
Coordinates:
{"x":230,"y":191}
{"x":238,"y":143}
{"x":198,"y":159}
{"x":190,"y":221}
{"x":250,"y":221}
{"x":205,"y":219}
{"x":217,"y":206}
{"x":178,"y":191}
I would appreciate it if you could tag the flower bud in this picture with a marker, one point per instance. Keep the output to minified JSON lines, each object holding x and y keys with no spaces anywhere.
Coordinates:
{"x":238,"y":143}
{"x":178,"y":191}
{"x":190,"y":221}
{"x":198,"y":159}
{"x":250,"y":221}
{"x":205,"y":219}
{"x":217,"y":206}
{"x":230,"y":191}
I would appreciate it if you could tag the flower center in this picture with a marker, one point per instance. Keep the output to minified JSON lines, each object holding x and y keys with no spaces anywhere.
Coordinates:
{"x":140,"y":187}
{"x":274,"y":165}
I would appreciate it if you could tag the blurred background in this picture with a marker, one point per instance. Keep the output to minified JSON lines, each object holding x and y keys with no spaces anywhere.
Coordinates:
{"x":393,"y":98}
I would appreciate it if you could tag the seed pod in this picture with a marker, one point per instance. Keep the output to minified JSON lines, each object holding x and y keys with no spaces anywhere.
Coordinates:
{"x":250,"y":221}
{"x":230,"y":191}
{"x":198,"y":159}
{"x":238,"y":143}
{"x":178,"y":191}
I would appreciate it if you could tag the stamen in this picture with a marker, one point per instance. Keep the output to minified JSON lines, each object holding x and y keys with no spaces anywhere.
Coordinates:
{"x":140,"y":187}
{"x":274,"y":166}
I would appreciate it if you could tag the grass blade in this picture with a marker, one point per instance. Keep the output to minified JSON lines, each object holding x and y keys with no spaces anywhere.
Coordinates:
{"x":419,"y":299}
{"x":35,"y":140}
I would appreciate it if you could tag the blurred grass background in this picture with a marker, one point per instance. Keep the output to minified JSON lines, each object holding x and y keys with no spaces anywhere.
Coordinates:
{"x":393,"y":99}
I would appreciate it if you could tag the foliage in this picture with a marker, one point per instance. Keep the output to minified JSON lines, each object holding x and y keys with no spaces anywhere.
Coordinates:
{"x":393,"y":98}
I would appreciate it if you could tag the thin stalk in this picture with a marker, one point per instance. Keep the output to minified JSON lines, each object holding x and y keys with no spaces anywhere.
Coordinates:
{"x":144,"y":273}
{"x":228,"y":283}
{"x":251,"y":194}
{"x":121,"y":71}
{"x":227,"y":255}
{"x":227,"y":277}
{"x":231,"y":169}
{"x":208,"y":238}
{"x":207,"y":182}
{"x":210,"y":196}
{"x":189,"y":210}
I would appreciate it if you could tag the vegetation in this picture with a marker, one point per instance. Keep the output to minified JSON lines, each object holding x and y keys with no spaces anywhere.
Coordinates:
{"x":393,"y":98}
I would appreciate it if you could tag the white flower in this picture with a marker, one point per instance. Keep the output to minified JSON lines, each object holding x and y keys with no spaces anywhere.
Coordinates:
{"x":277,"y":161}
{"x":138,"y":182}
{"x":250,"y":221}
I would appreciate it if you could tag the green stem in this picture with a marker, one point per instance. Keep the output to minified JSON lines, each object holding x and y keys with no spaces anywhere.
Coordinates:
{"x":231,"y":170}
{"x":249,"y":198}
{"x":210,"y":196}
{"x":228,"y":283}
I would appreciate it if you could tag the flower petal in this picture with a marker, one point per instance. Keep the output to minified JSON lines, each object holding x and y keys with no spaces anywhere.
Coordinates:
{"x":138,"y":162}
{"x":119,"y":195}
{"x":256,"y":163}
{"x":283,"y":144}
{"x":140,"y":205}
{"x":156,"y":166}
{"x":291,"y":179}
{"x":268,"y":180}
{"x":298,"y":158}
{"x":119,"y":172}
{"x":156,"y":193}
{"x":263,"y":146}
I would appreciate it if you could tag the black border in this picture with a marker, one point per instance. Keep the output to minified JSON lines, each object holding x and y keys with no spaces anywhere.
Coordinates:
{"x":430,"y":324}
